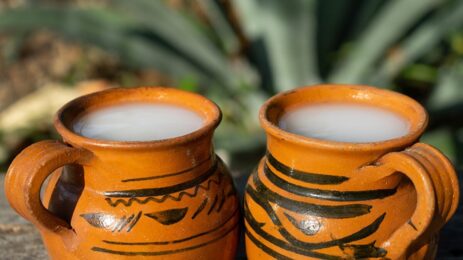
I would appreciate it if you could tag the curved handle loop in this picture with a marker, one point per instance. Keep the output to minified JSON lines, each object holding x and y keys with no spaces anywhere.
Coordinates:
{"x":444,"y":178}
{"x":24,"y":180}
{"x":437,"y":191}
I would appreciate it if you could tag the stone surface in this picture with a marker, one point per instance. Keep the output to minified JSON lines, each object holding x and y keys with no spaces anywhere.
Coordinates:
{"x":20,"y":240}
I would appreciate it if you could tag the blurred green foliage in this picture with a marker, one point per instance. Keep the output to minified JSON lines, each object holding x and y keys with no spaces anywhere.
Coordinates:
{"x":241,"y":52}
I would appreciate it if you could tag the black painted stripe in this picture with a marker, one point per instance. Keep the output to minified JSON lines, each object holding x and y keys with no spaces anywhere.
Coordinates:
{"x":327,"y":211}
{"x":167,"y":252}
{"x":331,"y":195}
{"x":169,"y":174}
{"x":364,"y":251}
{"x":281,"y":243}
{"x":412,"y":225}
{"x":200,"y":208}
{"x":206,"y":186}
{"x":163,"y":190}
{"x":126,"y":222}
{"x":222,"y":201}
{"x":301,"y":247}
{"x":227,"y":220}
{"x":119,"y":223}
{"x":212,"y":204}
{"x":168,"y":217}
{"x":212,"y":230}
{"x":265,"y":248}
{"x":134,"y":221}
{"x":315,"y":178}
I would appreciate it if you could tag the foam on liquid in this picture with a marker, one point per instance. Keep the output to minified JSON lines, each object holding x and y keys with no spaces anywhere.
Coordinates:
{"x":344,"y":122}
{"x":138,"y":122}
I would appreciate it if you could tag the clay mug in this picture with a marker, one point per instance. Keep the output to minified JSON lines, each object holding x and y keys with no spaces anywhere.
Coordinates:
{"x":169,"y":198}
{"x":318,"y":199}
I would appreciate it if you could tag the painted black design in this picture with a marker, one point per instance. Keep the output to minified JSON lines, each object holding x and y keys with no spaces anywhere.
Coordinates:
{"x":265,"y":248}
{"x":212,"y":205}
{"x":164,"y":190}
{"x":256,"y":226}
{"x":309,"y":227}
{"x":128,"y":202}
{"x":166,"y":252}
{"x":222,"y":201}
{"x":327,"y":211}
{"x":109,"y":222}
{"x":412,"y":225}
{"x":264,"y":197}
{"x":169,"y":174}
{"x":218,"y":227}
{"x":200,"y":208}
{"x":168,"y":217}
{"x":363,"y":251}
{"x":120,"y":224}
{"x":134,"y":222}
{"x":331,"y":195}
{"x":291,"y":248}
{"x":304,"y":176}
{"x":100,"y":220}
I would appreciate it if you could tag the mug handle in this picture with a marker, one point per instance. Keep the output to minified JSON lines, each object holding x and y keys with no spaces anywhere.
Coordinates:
{"x":437,"y":191}
{"x":26,"y":175}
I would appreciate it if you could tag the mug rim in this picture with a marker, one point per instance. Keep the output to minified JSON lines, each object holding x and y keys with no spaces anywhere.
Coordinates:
{"x":415,"y":131}
{"x":211,"y":122}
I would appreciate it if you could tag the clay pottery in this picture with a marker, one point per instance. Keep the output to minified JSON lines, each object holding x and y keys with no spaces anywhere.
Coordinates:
{"x":315,"y":199}
{"x":165,"y":199}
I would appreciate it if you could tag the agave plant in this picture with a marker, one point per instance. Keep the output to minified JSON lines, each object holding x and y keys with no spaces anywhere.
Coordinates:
{"x":241,"y":52}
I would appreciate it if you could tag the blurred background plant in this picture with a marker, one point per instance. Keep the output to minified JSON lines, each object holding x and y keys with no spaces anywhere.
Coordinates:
{"x":237,"y":53}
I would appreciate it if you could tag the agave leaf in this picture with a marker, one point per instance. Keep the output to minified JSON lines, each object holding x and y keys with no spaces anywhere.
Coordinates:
{"x":441,"y":139}
{"x":221,"y":26}
{"x":32,"y":18}
{"x":449,"y":90}
{"x":332,"y":18}
{"x":233,"y":139}
{"x":109,"y":30}
{"x":175,"y":30}
{"x":288,"y":31}
{"x":394,"y":19}
{"x":365,"y":14}
{"x":446,"y":102}
{"x":426,"y":37}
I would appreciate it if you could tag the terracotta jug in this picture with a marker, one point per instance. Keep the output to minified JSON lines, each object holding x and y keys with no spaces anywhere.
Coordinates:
{"x":165,"y":199}
{"x":316,"y":199}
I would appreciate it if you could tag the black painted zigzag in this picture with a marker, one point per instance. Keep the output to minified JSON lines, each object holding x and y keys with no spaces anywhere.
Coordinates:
{"x":129,"y":202}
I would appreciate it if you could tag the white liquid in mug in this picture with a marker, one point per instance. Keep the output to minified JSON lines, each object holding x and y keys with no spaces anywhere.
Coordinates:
{"x":344,"y":122}
{"x":138,"y":122}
